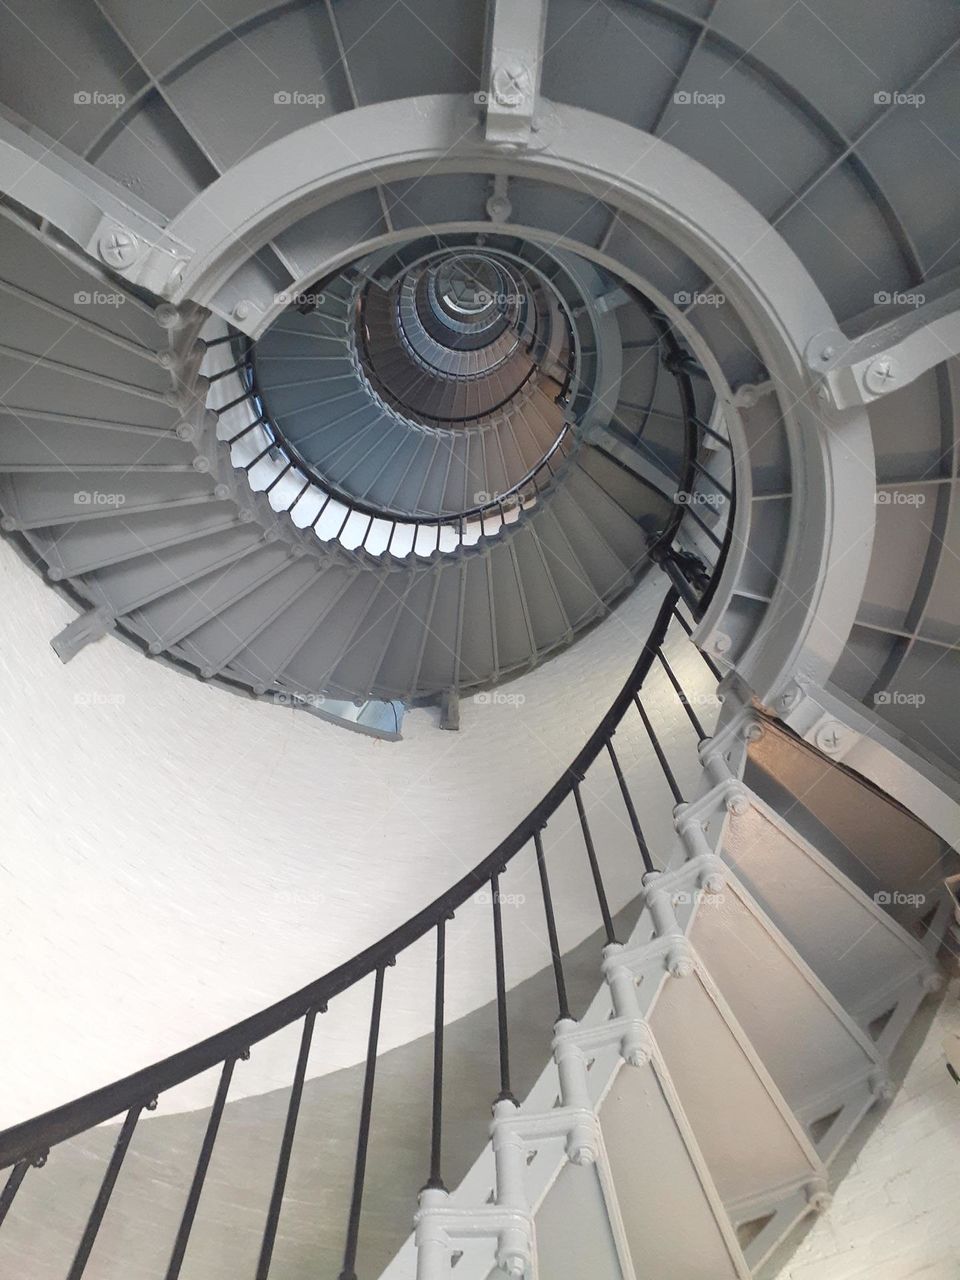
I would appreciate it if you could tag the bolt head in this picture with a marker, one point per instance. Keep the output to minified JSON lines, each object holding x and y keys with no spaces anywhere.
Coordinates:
{"x":242,"y":310}
{"x":721,"y":643}
{"x":830,"y":737}
{"x":166,"y":315}
{"x":118,"y":247}
{"x":881,"y":375}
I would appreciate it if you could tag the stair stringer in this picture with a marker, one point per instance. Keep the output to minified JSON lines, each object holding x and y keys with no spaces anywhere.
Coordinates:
{"x":859,"y":1089}
{"x":909,"y":973}
{"x":492,"y":1213}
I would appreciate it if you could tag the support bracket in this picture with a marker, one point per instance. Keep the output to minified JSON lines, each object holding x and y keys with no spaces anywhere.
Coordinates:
{"x":82,"y":631}
{"x":856,"y":372}
{"x":512,"y":64}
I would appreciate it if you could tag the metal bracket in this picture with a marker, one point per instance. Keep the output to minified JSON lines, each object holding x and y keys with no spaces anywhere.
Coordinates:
{"x":514,"y":54}
{"x":100,"y":216}
{"x":82,"y":631}
{"x":886,"y":358}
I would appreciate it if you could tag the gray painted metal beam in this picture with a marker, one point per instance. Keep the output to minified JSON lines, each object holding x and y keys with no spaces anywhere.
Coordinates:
{"x":889,"y":356}
{"x":512,"y":63}
{"x":91,"y":209}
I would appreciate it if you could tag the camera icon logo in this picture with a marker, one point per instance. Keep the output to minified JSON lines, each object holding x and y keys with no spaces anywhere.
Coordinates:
{"x":883,"y":97}
{"x":282,"y":98}
{"x":682,"y":98}
{"x":83,"y":97}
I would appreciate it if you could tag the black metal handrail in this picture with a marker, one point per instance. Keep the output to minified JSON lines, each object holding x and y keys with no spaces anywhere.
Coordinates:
{"x":31,"y":1142}
{"x":33,"y":1137}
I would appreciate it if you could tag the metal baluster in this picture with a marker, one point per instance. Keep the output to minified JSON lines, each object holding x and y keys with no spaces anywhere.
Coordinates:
{"x":664,"y":762}
{"x":363,"y":1138}
{"x":706,"y":657}
{"x":627,"y":800}
{"x":215,"y":377}
{"x":326,"y":502}
{"x":103,"y":1196}
{"x":506,"y":1093}
{"x":436,"y":1178}
{"x":278,"y":477}
{"x":257,"y":422}
{"x":286,"y":1147}
{"x":232,"y":404}
{"x":12,"y":1186}
{"x":691,"y":714}
{"x":562,"y":1003}
{"x":200,"y":1173}
{"x":248,"y":467}
{"x":594,"y":866}
{"x":306,"y":486}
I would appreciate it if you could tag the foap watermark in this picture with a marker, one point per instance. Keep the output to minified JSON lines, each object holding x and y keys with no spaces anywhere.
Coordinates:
{"x":897,"y":299}
{"x":297,"y":98}
{"x":504,"y":95}
{"x":97,"y":98}
{"x":290,"y":298}
{"x":497,"y":698}
{"x":98,"y":298}
{"x":96,"y":698}
{"x":899,"y":498}
{"x":898,"y":98}
{"x":684,"y":298}
{"x":697,"y":98}
{"x":688,"y":897}
{"x":284,"y":698}
{"x":683,"y":498}
{"x":94,"y":498}
{"x":898,"y":698}
{"x":896,"y":898}
{"x":486,"y":898}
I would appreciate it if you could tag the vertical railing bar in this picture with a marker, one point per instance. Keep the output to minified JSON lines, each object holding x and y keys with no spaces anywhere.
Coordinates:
{"x":306,"y":486}
{"x":664,"y":762}
{"x":436,"y":1178}
{"x":691,"y":714}
{"x":631,"y":811}
{"x":562,"y":1003}
{"x":257,"y":422}
{"x":103,"y":1196}
{"x":506,"y":1093}
{"x":11,"y":1187}
{"x":705,"y":656}
{"x":594,"y":866}
{"x":286,"y":1147}
{"x":363,"y":1137}
{"x":200,"y":1173}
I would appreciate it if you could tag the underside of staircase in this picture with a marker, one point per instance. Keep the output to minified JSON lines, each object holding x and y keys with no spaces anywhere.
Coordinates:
{"x":362,"y":357}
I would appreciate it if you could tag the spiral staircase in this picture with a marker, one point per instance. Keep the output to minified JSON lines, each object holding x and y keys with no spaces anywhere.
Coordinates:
{"x":363,"y":357}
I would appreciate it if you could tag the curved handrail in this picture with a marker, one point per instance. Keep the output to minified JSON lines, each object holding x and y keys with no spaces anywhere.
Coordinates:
{"x":31,"y":1139}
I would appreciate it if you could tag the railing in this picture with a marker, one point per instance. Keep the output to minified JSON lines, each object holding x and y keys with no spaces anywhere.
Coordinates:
{"x":34,"y":1142}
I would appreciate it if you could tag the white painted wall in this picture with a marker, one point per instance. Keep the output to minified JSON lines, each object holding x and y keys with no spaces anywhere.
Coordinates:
{"x":175,"y":858}
{"x":895,"y":1214}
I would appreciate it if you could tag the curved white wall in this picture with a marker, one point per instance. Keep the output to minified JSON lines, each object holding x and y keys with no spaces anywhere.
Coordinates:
{"x":176,"y":858}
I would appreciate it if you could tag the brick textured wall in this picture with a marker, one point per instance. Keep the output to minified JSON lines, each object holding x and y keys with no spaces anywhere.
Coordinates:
{"x":895,"y":1215}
